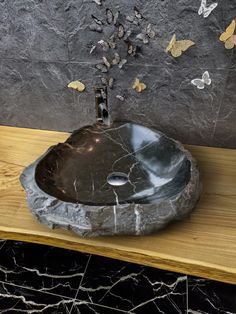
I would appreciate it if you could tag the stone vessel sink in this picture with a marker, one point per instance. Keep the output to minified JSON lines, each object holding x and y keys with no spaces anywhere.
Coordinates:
{"x":107,"y":180}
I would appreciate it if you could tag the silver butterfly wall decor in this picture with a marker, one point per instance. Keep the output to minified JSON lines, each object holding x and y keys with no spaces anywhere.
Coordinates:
{"x":106,"y":62}
{"x":118,"y":61}
{"x":104,"y":44}
{"x":205,"y":80}
{"x":109,"y":16}
{"x":206,"y":10}
{"x":120,"y":97}
{"x":119,"y":34}
{"x":96,"y":20}
{"x":120,"y":31}
{"x":95,"y":28}
{"x":146,"y":34}
{"x":101,"y":67}
{"x":107,"y":81}
{"x":92,"y":49}
{"x":99,"y":2}
{"x":135,"y":18}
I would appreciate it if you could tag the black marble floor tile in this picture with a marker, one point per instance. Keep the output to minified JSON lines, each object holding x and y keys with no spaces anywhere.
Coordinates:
{"x":15,"y":299}
{"x":81,"y":307}
{"x":210,"y":297}
{"x":133,"y":288}
{"x":44,"y":268}
{"x":2,"y":242}
{"x":42,"y":279}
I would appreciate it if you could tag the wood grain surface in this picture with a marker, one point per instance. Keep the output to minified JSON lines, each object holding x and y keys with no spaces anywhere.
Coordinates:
{"x":203,"y":245}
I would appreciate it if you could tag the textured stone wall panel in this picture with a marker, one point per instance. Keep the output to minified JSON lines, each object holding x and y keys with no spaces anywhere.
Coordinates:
{"x":46,"y":44}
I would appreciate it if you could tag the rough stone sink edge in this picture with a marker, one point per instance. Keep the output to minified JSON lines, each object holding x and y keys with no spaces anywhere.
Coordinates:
{"x":126,"y":219}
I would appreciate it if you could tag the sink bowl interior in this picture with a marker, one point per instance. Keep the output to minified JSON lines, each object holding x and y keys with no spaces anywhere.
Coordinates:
{"x":124,"y":163}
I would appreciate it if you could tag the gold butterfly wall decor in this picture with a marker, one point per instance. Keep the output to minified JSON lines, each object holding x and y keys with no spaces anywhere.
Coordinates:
{"x":77,"y":85}
{"x":139,"y":86}
{"x":228,"y":36}
{"x":177,"y":47}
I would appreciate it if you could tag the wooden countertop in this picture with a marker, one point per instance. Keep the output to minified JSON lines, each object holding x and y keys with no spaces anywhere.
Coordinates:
{"x":203,"y":245}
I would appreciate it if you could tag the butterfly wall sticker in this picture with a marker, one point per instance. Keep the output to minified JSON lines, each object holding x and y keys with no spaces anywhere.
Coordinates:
{"x":104,"y":44}
{"x":120,"y":97}
{"x":205,"y":10}
{"x":99,"y":2}
{"x":77,"y":85}
{"x":120,"y":31}
{"x":106,"y":62}
{"x":118,"y":61}
{"x":135,"y":18}
{"x":177,"y":47}
{"x":107,"y":81}
{"x":201,"y":82}
{"x":146,"y":34}
{"x":139,"y":86}
{"x":109,"y":16}
{"x":228,"y":36}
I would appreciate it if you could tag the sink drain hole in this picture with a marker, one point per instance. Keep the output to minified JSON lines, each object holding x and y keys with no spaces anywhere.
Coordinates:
{"x":117,"y":178}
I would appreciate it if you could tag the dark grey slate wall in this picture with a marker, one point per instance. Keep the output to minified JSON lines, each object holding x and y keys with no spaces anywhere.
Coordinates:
{"x":46,"y":44}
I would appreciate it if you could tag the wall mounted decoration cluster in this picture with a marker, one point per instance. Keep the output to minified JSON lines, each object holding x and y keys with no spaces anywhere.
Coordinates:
{"x":175,"y":47}
{"x":120,"y":30}
{"x":44,"y":47}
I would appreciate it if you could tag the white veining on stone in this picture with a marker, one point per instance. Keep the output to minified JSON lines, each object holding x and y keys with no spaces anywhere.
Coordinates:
{"x":159,"y":290}
{"x":75,"y":187}
{"x":115,"y":219}
{"x":93,"y":185}
{"x":115,"y":211}
{"x":162,"y":295}
{"x":137,"y":219}
{"x":37,"y":307}
{"x":130,"y":171}
{"x":116,"y":197}
{"x":74,"y":300}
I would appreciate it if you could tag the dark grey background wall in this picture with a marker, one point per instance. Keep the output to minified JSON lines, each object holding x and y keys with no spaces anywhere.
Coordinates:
{"x":46,"y":44}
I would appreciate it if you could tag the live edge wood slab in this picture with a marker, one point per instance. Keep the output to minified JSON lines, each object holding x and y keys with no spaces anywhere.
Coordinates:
{"x":203,"y":245}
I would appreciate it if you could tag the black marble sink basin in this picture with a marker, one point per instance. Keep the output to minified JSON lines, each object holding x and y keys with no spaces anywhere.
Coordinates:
{"x":118,"y":179}
{"x":144,"y":165}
